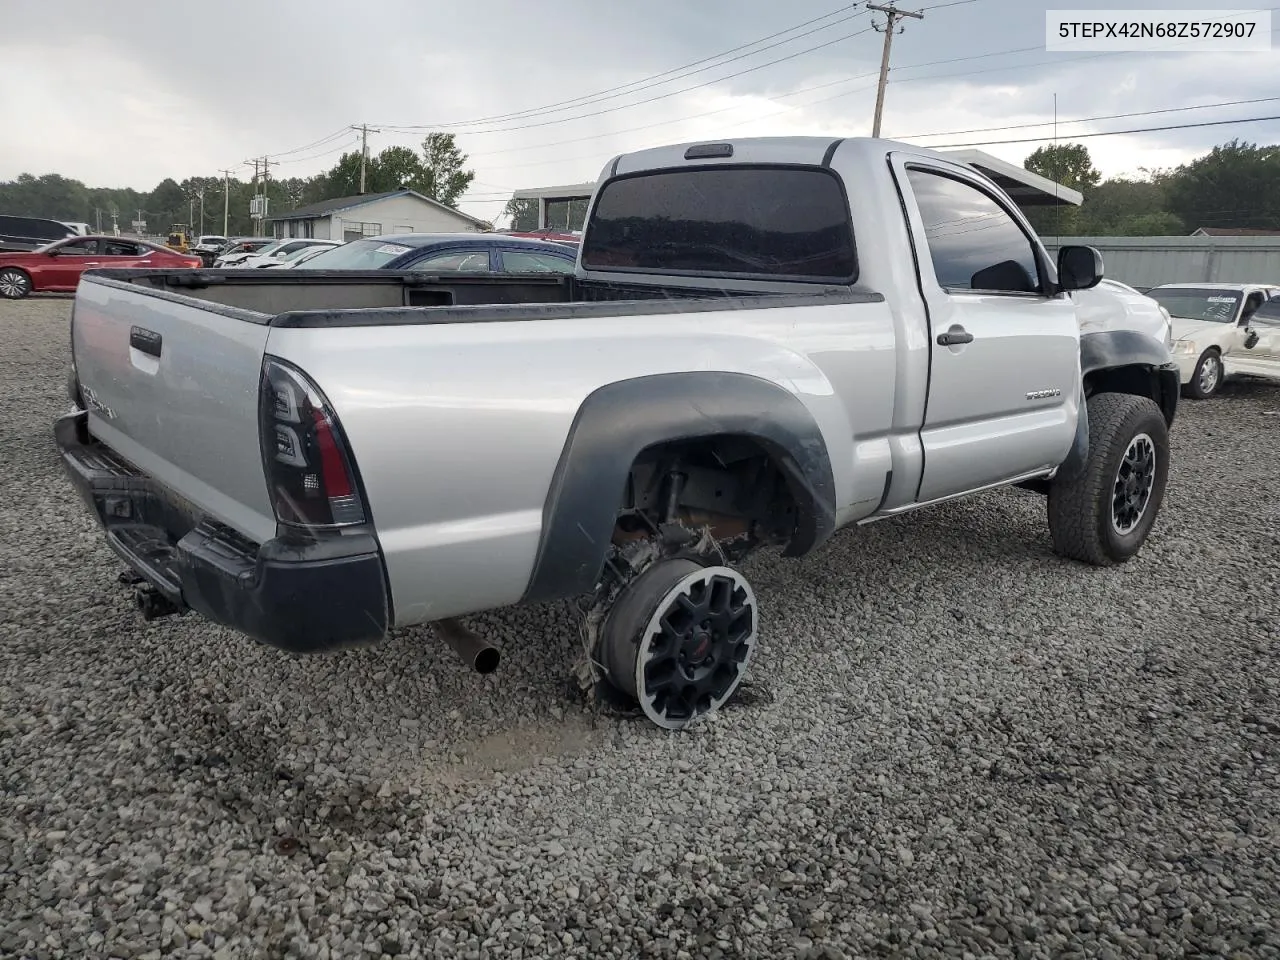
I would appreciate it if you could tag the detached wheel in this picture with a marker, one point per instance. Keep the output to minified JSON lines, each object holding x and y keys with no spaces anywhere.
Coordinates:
{"x":679,"y":640}
{"x":1207,"y":376}
{"x":14,"y":284}
{"x":1103,"y":513}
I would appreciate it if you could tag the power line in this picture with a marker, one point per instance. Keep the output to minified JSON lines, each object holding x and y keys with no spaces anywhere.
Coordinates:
{"x":1109,"y":133}
{"x":1112,"y":116}
{"x":638,"y":103}
{"x":787,"y":108}
{"x":644,"y":82}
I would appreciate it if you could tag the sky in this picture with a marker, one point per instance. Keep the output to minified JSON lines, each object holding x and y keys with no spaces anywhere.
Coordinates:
{"x":543,"y":94}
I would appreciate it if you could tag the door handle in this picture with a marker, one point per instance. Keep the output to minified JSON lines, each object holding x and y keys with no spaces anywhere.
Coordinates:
{"x":954,"y":337}
{"x":146,"y":341}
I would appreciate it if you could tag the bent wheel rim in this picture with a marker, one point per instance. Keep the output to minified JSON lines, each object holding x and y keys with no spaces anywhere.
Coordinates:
{"x":12,"y":284}
{"x":1135,"y":480}
{"x":1209,"y":374}
{"x":696,"y":647}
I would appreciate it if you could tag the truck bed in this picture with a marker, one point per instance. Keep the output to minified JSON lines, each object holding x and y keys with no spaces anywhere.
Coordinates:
{"x":278,"y":295}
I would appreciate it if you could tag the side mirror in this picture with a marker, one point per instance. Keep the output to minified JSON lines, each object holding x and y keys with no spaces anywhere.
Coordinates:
{"x":53,"y":253}
{"x":1079,"y":267}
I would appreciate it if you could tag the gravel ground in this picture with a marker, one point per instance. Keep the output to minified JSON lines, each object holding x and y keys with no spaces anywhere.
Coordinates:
{"x":955,"y":745}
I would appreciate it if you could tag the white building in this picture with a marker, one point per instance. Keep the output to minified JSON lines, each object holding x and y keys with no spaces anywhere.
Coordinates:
{"x":372,"y":215}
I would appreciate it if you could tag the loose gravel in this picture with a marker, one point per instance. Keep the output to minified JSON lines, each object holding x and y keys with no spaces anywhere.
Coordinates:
{"x":955,"y":745}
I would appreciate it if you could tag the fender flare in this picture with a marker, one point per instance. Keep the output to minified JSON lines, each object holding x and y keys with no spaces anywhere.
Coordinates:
{"x":1112,"y":350}
{"x":617,"y":422}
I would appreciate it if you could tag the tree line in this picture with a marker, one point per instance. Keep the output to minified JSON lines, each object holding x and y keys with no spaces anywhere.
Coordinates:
{"x":438,"y":171}
{"x":1235,"y":184}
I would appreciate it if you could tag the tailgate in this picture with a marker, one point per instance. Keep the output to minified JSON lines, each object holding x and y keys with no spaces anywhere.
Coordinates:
{"x":171,"y":384}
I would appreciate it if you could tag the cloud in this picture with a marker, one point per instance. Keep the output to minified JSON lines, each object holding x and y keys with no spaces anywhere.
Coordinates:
{"x":130,"y":100}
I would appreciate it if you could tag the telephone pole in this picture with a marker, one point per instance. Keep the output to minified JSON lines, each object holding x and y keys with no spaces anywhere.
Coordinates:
{"x":226,"y":200}
{"x":364,"y":151}
{"x":892,"y":14}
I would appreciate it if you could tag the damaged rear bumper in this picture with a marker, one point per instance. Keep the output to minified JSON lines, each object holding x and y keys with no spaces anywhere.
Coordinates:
{"x":307,"y":597}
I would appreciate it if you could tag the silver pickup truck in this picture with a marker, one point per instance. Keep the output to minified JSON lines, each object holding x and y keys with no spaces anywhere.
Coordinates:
{"x":764,"y":341}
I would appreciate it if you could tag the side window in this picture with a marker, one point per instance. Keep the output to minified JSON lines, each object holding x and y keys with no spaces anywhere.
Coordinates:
{"x":464,"y":261}
{"x":513,"y":262}
{"x":1268,"y":314}
{"x":973,"y":241}
{"x":80,"y":248}
{"x":120,"y":248}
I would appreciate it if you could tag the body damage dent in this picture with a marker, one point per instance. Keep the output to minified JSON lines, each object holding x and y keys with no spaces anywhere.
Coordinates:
{"x":618,"y":421}
{"x":1111,"y":350}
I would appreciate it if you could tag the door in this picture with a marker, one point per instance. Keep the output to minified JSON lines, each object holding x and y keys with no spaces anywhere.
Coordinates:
{"x":1004,"y":381}
{"x":1263,"y":358}
{"x":74,"y":257}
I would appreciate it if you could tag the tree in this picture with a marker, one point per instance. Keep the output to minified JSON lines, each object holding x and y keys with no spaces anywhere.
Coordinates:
{"x":444,"y":167}
{"x":1124,"y":207}
{"x":1067,"y":163}
{"x":1070,"y":165}
{"x":1234,"y":185}
{"x":523,"y":213}
{"x":398,"y":168}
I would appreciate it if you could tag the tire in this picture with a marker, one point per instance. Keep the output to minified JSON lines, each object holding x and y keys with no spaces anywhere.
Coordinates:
{"x":1207,"y":376}
{"x":1102,"y":513}
{"x":14,"y":283}
{"x":679,"y":640}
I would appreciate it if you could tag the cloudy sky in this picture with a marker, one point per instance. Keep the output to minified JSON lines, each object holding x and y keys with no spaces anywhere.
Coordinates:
{"x":544,"y":93}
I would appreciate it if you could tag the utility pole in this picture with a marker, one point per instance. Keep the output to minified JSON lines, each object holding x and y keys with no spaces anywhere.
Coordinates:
{"x":266,"y":202}
{"x":226,"y":200}
{"x":201,"y":211}
{"x":364,"y":151}
{"x":892,"y":14}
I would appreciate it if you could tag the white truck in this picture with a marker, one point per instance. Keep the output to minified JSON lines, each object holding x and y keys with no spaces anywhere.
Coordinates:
{"x":764,"y":341}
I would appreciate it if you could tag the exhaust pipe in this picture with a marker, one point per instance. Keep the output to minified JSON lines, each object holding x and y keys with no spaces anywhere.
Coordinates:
{"x":480,"y":655}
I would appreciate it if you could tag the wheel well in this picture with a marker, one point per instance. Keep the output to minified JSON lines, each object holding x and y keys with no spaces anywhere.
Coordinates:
{"x":1137,"y":379}
{"x":741,"y":487}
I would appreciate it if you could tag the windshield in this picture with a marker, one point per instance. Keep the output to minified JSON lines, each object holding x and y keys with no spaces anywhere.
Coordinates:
{"x":303,"y":251}
{"x":1198,"y":303}
{"x":370,"y":254}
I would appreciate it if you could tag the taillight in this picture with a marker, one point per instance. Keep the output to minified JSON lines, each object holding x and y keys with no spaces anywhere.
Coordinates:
{"x":309,"y":470}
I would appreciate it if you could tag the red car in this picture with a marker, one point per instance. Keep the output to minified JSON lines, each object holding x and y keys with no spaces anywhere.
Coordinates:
{"x":56,"y":267}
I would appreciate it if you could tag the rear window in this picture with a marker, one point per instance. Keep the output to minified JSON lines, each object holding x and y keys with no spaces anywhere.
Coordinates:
{"x":778,"y":223}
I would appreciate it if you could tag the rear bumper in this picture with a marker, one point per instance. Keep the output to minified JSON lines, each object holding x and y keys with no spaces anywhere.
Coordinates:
{"x":301,"y":597}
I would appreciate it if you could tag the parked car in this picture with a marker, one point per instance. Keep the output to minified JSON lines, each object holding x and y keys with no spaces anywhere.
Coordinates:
{"x":242,"y":248}
{"x":206,"y":247}
{"x":1210,"y":326}
{"x":56,"y":267}
{"x":296,"y":258}
{"x":77,"y":227}
{"x":1113,"y":305}
{"x":271,"y":257}
{"x":27,"y":233}
{"x":448,"y":252}
{"x":742,"y":358}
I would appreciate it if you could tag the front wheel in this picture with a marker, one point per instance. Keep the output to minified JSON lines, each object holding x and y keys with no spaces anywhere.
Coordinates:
{"x":14,"y":284}
{"x":679,"y":640}
{"x":1102,"y":513}
{"x":1207,"y":376}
